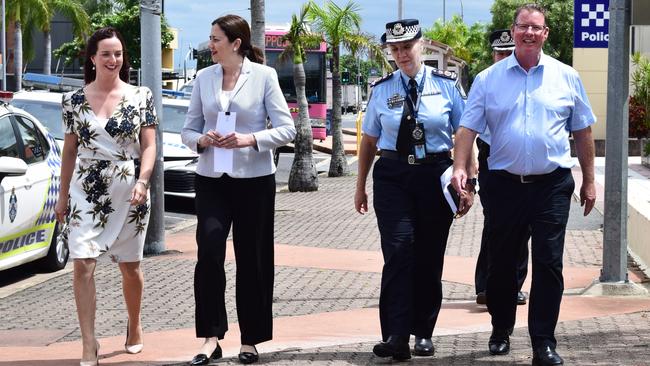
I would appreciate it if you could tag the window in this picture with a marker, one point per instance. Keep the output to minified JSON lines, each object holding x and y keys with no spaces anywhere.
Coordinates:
{"x":173,"y":118}
{"x":314,"y":73}
{"x":7,"y":138}
{"x":49,"y":114}
{"x":34,"y":146}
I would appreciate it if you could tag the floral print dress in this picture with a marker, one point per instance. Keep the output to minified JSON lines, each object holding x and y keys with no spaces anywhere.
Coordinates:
{"x":100,"y":218}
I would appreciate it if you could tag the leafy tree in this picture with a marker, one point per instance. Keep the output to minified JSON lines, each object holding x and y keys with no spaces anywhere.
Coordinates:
{"x":123,"y":16}
{"x":24,"y":13}
{"x":469,"y":43}
{"x":349,"y":63}
{"x":70,"y":9}
{"x":559,"y":18}
{"x":341,"y":27}
{"x":303,"y":176}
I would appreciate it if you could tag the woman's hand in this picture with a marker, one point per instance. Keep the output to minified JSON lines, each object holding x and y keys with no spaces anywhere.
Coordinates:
{"x":232,"y":140}
{"x":361,"y":201}
{"x":61,"y":209}
{"x":138,"y":193}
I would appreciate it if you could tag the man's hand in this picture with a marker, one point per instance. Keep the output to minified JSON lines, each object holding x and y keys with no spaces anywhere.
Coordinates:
{"x":466,"y":202}
{"x":587,"y":196}
{"x":458,"y":179}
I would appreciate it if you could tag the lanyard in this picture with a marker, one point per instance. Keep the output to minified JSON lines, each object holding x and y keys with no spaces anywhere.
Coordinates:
{"x":416,"y":106}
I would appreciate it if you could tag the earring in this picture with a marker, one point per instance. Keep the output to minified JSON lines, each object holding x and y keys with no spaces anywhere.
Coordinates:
{"x":234,"y":49}
{"x":93,"y":66}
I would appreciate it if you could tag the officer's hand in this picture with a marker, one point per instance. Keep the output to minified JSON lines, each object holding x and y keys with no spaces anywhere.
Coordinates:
{"x":588,"y":196}
{"x":458,"y":179}
{"x":361,"y":201}
{"x":61,"y":209}
{"x":466,"y":202}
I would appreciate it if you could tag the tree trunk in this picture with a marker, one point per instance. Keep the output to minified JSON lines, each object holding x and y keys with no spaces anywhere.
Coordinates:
{"x":18,"y":56}
{"x":257,"y":24}
{"x":303,"y":176}
{"x":338,"y":164}
{"x":47,"y":56}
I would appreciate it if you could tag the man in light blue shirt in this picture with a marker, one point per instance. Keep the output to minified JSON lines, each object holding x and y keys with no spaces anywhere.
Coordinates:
{"x":531,"y":103}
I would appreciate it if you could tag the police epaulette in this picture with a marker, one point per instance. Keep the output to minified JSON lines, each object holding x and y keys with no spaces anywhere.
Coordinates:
{"x":444,"y":74}
{"x":379,"y":81}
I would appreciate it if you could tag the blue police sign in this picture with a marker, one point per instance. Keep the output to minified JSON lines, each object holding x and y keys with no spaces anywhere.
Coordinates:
{"x":590,"y":23}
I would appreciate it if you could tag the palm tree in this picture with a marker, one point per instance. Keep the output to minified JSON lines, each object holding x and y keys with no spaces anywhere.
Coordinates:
{"x":303,"y":176}
{"x":23,"y":12}
{"x":70,"y":9}
{"x":257,"y":24}
{"x":339,"y":26}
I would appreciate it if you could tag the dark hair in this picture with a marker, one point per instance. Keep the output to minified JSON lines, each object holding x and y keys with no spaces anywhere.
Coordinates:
{"x":530,"y":8}
{"x":91,"y":50}
{"x":235,"y":27}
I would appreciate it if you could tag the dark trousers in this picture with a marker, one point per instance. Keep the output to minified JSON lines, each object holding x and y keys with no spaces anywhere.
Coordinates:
{"x":542,"y":206}
{"x":248,"y":204}
{"x":481,"y":273}
{"x":414,"y":220}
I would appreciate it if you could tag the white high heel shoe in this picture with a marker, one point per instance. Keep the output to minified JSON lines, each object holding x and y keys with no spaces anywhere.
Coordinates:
{"x":132,"y":349}
{"x":94,"y":362}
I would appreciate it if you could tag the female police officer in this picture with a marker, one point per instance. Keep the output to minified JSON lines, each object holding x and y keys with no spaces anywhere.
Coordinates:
{"x":411,"y":116}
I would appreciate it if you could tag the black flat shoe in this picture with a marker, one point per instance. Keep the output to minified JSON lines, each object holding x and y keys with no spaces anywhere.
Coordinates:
{"x":396,"y":347}
{"x":521,"y":298}
{"x":249,"y":357}
{"x":203,"y":359}
{"x":546,"y":356}
{"x":423,"y":347}
{"x":499,"y":343}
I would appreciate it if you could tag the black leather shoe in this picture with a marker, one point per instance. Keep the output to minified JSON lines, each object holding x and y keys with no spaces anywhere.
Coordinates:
{"x":423,"y":347}
{"x":521,"y":298}
{"x":499,"y":343}
{"x":203,"y":359}
{"x":396,"y":347}
{"x":546,"y":356}
{"x":481,"y":299}
{"x":249,"y":357}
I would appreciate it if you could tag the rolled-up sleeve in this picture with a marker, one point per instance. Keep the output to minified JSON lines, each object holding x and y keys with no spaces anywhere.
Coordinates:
{"x":371,"y":124}
{"x":194,"y":120}
{"x":283,"y":130}
{"x":582,"y":115}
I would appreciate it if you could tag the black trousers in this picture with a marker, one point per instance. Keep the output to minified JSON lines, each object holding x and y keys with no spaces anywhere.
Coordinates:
{"x":481,"y":273}
{"x":414,"y":220}
{"x":542,"y":206}
{"x":248,"y":205}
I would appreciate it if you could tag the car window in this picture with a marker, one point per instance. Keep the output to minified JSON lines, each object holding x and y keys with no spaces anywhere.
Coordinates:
{"x":8,"y":145}
{"x":173,"y":118}
{"x":34,"y":150}
{"x":49,"y":114}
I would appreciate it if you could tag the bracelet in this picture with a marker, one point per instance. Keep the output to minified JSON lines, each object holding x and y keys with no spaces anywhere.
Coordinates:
{"x":145,"y":183}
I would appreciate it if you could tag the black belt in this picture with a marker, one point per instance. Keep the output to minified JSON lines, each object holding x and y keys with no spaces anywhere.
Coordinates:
{"x":429,"y":159}
{"x":526,"y":178}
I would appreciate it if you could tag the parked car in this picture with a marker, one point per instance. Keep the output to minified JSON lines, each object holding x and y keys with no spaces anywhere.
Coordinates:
{"x":178,"y":178}
{"x":30,"y":161}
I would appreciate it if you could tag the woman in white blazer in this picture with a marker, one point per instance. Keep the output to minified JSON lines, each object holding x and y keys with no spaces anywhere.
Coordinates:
{"x":243,"y":196}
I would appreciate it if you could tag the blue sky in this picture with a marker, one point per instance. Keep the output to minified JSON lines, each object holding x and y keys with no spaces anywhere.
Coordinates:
{"x":193,"y":17}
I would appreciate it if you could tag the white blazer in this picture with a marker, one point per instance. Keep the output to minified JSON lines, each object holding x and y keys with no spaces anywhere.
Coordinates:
{"x":256,"y":95}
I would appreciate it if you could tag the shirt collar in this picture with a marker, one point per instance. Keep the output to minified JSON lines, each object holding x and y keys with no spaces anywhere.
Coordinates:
{"x":418,"y":76}
{"x":512,"y":61}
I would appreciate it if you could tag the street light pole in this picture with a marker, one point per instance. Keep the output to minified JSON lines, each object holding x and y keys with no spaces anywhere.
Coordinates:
{"x":461,"y":10}
{"x":151,"y":56}
{"x":444,"y":11}
{"x":399,"y":9}
{"x":4,"y":47}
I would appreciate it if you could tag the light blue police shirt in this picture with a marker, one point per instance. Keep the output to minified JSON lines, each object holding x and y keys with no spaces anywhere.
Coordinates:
{"x":529,"y":114}
{"x":440,"y":110}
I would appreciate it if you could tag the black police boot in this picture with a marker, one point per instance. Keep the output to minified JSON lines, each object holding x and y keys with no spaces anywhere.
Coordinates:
{"x":423,"y":347}
{"x":546,"y":356}
{"x":499,"y":343}
{"x":395,"y":346}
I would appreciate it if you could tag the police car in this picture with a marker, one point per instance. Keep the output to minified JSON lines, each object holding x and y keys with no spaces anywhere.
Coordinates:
{"x":179,"y":160}
{"x":30,"y":168}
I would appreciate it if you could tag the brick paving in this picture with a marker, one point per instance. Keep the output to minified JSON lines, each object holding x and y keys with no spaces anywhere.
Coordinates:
{"x":326,"y":219}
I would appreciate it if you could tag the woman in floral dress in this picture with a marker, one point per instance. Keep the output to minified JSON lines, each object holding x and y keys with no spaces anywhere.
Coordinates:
{"x":108,"y":157}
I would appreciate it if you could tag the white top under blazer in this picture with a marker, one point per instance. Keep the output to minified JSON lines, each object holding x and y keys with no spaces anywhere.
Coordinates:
{"x":256,"y":95}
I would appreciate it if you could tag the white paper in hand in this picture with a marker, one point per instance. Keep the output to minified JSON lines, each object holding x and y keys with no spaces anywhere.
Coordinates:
{"x":223,"y":157}
{"x":448,"y":190}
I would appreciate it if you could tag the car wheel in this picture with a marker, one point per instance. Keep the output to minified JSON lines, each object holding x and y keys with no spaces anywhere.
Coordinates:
{"x":57,"y":255}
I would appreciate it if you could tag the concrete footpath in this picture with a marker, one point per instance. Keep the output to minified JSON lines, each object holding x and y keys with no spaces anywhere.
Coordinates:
{"x":328,"y":269}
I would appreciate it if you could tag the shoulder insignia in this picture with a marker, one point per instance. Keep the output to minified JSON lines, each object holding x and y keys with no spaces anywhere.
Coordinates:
{"x":444,"y":73}
{"x":379,"y":81}
{"x":460,"y":89}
